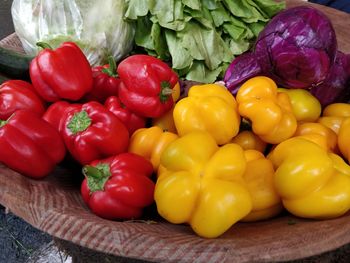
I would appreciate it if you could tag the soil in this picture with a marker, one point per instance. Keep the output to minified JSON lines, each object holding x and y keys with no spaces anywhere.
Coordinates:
{"x":18,"y":240}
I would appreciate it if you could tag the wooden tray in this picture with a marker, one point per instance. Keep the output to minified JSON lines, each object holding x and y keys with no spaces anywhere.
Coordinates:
{"x":54,"y":206}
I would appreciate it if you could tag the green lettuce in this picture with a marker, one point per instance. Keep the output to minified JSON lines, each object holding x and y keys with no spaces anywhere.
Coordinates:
{"x":199,"y":38}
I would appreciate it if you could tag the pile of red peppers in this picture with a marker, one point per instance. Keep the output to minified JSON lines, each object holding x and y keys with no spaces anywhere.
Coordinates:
{"x":70,"y":109}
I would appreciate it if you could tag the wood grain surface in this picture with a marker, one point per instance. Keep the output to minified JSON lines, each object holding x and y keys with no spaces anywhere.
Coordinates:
{"x":54,"y":205}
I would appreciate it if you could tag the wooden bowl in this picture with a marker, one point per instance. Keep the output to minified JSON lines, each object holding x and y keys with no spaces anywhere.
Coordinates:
{"x":54,"y":205}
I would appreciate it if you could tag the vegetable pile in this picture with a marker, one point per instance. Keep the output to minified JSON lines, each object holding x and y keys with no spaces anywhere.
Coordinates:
{"x":297,"y":49}
{"x":244,"y":149}
{"x":199,"y":38}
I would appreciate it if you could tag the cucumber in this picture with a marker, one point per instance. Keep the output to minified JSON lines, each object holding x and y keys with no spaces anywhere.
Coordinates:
{"x":14,"y":64}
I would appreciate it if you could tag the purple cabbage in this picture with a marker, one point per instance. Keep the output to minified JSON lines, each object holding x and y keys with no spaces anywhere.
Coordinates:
{"x":296,"y":49}
{"x":336,"y":87}
{"x":240,"y":70}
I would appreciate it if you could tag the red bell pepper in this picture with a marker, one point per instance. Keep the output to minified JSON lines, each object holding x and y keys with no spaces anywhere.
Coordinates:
{"x":106,"y":82}
{"x":63,"y":73}
{"x":92,"y":132}
{"x":19,"y":95}
{"x":56,"y":112}
{"x":131,"y":120}
{"x":30,"y":145}
{"x":118,"y":187}
{"x":146,"y":86}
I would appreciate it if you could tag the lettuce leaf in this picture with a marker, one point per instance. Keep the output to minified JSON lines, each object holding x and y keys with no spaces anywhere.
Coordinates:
{"x":199,"y":38}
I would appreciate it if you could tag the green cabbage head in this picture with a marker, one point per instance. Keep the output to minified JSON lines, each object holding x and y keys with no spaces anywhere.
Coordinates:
{"x":97,"y":27}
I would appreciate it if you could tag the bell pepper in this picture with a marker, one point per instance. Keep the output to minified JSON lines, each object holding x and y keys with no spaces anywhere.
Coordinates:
{"x":258,"y":177}
{"x":337,"y":109}
{"x":202,"y":184}
{"x":344,"y":139}
{"x":166,"y":121}
{"x":147,"y":85}
{"x":249,"y":141}
{"x":63,"y":73}
{"x":19,"y":95}
{"x":131,"y":120}
{"x":332,"y":122}
{"x":270,"y":112}
{"x":91,"y":132}
{"x":309,"y":180}
{"x":105,"y":82}
{"x":56,"y":112}
{"x":176,"y":92}
{"x":150,"y":143}
{"x":319,"y":134}
{"x":118,"y":187}
{"x":305,"y":106}
{"x":334,"y":114}
{"x":211,"y":108}
{"x":30,"y":145}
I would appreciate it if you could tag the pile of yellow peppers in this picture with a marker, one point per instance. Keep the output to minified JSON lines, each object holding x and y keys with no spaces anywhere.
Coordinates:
{"x":211,"y":173}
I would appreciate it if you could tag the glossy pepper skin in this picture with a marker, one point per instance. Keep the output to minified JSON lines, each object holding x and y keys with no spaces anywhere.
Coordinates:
{"x":210,"y":108}
{"x":63,"y":73}
{"x":105,"y":82}
{"x":118,"y":187}
{"x":258,"y":176}
{"x":166,"y":121}
{"x":92,"y":132}
{"x":334,"y":114}
{"x":131,"y":120}
{"x":150,"y":143}
{"x":310,"y":180}
{"x":319,"y":134}
{"x":27,"y":144}
{"x":270,"y":112}
{"x":202,"y":184}
{"x":305,"y":106}
{"x":249,"y":141}
{"x":147,"y":85}
{"x":344,"y":139}
{"x":57,"y":111}
{"x":19,"y":95}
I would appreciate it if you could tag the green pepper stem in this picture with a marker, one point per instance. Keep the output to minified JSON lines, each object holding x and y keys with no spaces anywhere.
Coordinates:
{"x":111,"y":70}
{"x":2,"y":123}
{"x":43,"y":45}
{"x":92,"y":171}
{"x":79,"y":122}
{"x":165,"y":92}
{"x":96,"y":176}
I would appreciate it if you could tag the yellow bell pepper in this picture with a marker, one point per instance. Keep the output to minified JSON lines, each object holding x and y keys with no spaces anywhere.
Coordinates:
{"x":211,"y":108}
{"x":270,"y":112}
{"x":150,"y":143}
{"x":176,"y":92}
{"x":249,"y":141}
{"x":305,"y":106}
{"x":202,"y":184}
{"x":166,"y":121}
{"x":344,"y":139}
{"x":309,"y":180}
{"x":319,"y":134}
{"x":334,"y":114}
{"x":258,"y":177}
{"x":332,"y":122}
{"x":337,"y":109}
